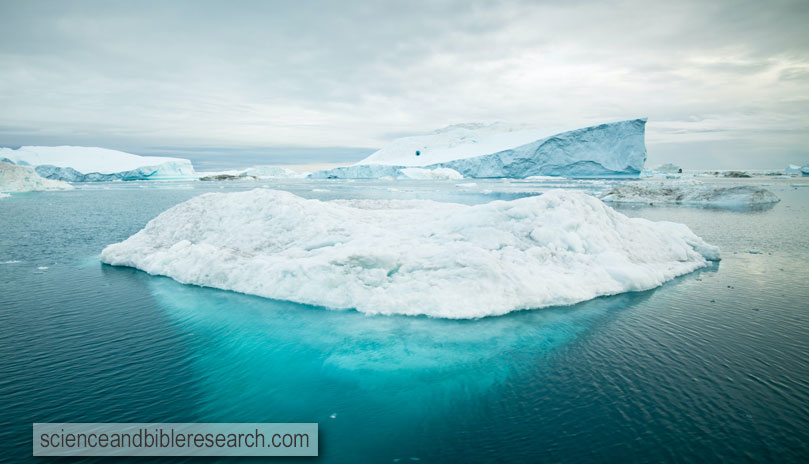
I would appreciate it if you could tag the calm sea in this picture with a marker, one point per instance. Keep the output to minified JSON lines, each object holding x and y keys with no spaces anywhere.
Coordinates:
{"x":713,"y":366}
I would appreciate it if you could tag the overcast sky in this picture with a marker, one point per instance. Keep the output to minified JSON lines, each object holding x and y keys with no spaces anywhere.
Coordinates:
{"x":725,"y":84}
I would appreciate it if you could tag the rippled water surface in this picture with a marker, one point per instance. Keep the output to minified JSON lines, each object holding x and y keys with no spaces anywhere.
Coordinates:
{"x":712,"y":366}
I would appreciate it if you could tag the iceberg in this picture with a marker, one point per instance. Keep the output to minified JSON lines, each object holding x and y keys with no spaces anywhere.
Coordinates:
{"x":274,"y":172}
{"x":412,"y":257}
{"x":15,"y":178}
{"x":668,"y":168}
{"x":792,"y":169}
{"x":92,"y":164}
{"x":255,"y":172}
{"x":499,"y":150}
{"x":690,"y":193}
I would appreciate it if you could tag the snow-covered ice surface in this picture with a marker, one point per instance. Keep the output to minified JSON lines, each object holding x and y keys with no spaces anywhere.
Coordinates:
{"x":15,"y":178}
{"x":4,"y":195}
{"x":412,"y":257}
{"x":498,"y":150}
{"x":90,"y":164}
{"x":434,"y":174}
{"x":690,"y":193}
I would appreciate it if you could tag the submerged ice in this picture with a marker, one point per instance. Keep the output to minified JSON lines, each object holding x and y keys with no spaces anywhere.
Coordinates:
{"x":412,"y":257}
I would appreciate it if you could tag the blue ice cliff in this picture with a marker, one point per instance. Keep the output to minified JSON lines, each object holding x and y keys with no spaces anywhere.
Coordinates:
{"x":479,"y":151}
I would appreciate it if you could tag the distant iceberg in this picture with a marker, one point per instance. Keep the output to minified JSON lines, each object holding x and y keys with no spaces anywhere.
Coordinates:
{"x":690,"y":193}
{"x":90,"y":164}
{"x":498,"y":150}
{"x":668,"y":167}
{"x":274,"y":172}
{"x":255,"y":172}
{"x":412,"y":257}
{"x":15,"y":178}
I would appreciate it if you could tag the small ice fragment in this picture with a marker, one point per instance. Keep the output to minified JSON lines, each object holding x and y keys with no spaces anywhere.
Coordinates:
{"x":42,"y":268}
{"x":754,"y":252}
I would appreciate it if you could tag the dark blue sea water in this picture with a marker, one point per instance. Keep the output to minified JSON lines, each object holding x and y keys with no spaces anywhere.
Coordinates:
{"x":711,"y":367}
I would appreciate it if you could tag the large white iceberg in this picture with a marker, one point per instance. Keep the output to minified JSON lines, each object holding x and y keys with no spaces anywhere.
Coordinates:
{"x":88,"y":164}
{"x":15,"y":178}
{"x":690,"y":193}
{"x":498,"y":150}
{"x":413,"y":257}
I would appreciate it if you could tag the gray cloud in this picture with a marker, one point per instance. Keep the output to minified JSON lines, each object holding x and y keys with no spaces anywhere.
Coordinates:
{"x":725,"y":80}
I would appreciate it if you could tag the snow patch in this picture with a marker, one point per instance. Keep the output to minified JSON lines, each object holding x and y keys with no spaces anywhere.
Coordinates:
{"x":412,"y":257}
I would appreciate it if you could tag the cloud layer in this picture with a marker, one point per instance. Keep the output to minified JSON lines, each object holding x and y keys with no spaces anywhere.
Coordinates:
{"x":725,"y":84}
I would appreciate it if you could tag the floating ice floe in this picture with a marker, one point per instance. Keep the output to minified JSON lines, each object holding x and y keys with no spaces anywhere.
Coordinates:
{"x":501,"y":150}
{"x":690,"y":193}
{"x":89,"y":164}
{"x":412,"y":257}
{"x":15,"y":178}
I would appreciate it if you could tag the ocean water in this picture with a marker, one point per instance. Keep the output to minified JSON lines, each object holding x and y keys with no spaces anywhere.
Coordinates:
{"x":713,"y":366}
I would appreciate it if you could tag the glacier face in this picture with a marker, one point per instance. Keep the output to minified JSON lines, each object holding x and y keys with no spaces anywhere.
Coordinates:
{"x":15,"y":178}
{"x":412,"y":257}
{"x":607,"y":150}
{"x":92,"y":164}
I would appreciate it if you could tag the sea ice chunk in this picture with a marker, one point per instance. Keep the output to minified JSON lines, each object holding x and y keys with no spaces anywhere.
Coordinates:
{"x":413,"y":257}
{"x":690,"y":193}
{"x":15,"y":178}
